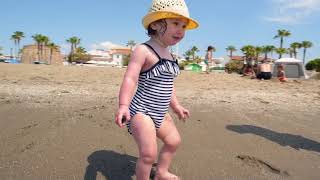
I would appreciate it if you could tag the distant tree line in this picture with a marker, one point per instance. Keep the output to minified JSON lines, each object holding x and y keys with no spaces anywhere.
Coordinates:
{"x":78,"y":53}
{"x":253,"y":52}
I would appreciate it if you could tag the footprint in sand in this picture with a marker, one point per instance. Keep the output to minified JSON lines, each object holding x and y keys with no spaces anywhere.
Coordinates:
{"x":30,"y":126}
{"x":27,"y":147}
{"x":261,"y":165}
{"x":23,"y":131}
{"x":39,"y":78}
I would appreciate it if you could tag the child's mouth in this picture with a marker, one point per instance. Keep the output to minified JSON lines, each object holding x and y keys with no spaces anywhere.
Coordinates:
{"x":177,"y":38}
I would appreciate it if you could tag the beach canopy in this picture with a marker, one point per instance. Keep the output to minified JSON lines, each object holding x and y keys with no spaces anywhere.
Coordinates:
{"x":293,"y":68}
{"x":218,"y":60}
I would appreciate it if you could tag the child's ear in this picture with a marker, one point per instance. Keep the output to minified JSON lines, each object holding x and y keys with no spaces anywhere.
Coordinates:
{"x":154,"y":26}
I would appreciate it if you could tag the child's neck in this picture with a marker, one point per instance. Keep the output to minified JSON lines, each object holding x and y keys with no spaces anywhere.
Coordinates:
{"x":158,"y":43}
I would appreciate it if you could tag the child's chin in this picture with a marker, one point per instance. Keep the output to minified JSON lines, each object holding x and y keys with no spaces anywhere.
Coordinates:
{"x":175,"y":42}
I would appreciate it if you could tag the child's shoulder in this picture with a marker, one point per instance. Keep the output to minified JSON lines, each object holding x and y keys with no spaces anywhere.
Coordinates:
{"x":141,"y":48}
{"x":140,"y":52}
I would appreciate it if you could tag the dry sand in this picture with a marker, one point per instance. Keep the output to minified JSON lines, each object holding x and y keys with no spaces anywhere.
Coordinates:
{"x":57,"y":123}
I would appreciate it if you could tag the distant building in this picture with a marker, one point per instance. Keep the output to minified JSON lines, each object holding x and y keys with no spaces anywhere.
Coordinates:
{"x":114,"y":56}
{"x":31,"y":55}
{"x":118,"y":55}
{"x":100,"y":55}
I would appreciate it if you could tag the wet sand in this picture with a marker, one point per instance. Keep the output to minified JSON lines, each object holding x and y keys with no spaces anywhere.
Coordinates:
{"x":57,"y":123}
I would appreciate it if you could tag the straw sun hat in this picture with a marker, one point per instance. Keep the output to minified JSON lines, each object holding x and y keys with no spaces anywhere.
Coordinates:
{"x":161,"y":9}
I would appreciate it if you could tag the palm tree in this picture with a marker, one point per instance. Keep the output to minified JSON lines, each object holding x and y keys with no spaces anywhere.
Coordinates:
{"x":131,"y":44}
{"x":52,"y":47}
{"x":258,"y":51}
{"x":81,"y":50}
{"x":191,"y":53}
{"x":267,"y":49}
{"x":41,"y":41}
{"x":281,"y":51}
{"x":0,"y":50}
{"x":231,"y":49}
{"x":81,"y":54}
{"x":38,"y":39}
{"x":295,"y":46}
{"x":74,"y":41}
{"x":305,"y":45}
{"x":194,"y":50}
{"x":281,"y":34}
{"x":249,"y":52}
{"x":188,"y":54}
{"x":290,"y":51}
{"x":16,"y":37}
{"x":44,"y":42}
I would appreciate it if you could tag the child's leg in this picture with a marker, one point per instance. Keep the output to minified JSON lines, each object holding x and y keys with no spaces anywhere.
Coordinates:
{"x":144,"y":133}
{"x":170,"y":136}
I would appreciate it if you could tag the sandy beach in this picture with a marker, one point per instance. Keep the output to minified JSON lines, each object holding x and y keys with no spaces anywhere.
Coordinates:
{"x":57,"y":122}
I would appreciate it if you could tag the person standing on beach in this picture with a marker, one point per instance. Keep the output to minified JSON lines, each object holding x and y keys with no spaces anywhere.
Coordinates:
{"x":264,"y":70}
{"x":208,"y":58}
{"x":152,"y":68}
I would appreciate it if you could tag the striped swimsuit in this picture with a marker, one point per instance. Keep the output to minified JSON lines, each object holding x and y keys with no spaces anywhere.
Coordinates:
{"x":154,"y":91}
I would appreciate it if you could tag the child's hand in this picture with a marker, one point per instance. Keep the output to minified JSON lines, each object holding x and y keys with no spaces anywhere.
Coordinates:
{"x":122,"y":115}
{"x":182,"y":112}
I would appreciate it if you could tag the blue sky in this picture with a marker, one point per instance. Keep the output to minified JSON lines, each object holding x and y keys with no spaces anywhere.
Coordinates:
{"x":102,"y":23}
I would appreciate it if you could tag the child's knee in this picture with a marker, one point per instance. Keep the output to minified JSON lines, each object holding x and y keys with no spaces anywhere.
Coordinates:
{"x":173,"y":142}
{"x":148,"y":155}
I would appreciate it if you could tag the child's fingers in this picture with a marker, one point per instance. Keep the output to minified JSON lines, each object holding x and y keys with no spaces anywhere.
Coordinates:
{"x":128,"y":117}
{"x":186,"y":114}
{"x":119,"y":119}
{"x":183,"y":115}
{"x":180,"y":115}
{"x":125,"y":119}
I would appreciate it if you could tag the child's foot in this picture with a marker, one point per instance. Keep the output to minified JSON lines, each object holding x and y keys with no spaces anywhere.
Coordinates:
{"x":166,"y":176}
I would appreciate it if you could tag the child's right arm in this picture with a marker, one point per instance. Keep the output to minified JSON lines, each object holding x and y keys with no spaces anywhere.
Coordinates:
{"x":129,"y":82}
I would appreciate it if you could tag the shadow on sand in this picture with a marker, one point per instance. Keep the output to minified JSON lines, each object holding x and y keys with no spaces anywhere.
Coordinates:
{"x":295,"y":141}
{"x":112,"y":165}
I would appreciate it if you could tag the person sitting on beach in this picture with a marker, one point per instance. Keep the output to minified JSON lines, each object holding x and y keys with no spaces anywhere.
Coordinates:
{"x":248,"y":71}
{"x":152,"y":70}
{"x":264,"y":70}
{"x":208,"y":58}
{"x":281,"y":73}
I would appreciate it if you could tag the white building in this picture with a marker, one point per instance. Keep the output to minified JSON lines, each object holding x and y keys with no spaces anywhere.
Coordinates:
{"x":114,"y":56}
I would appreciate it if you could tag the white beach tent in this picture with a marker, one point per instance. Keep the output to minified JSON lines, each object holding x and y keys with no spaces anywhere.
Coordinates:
{"x":293,"y":68}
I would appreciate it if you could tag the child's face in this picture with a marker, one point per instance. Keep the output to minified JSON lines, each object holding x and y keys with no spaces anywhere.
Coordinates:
{"x":280,"y":68}
{"x":175,"y":31}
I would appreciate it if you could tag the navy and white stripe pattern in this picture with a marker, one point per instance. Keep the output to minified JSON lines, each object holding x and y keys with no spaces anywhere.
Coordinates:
{"x":154,"y":91}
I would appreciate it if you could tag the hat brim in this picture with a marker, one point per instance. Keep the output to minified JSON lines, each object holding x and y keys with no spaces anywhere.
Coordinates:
{"x":152,"y":17}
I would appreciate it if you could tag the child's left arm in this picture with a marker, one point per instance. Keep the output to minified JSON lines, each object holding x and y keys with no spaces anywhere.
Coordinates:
{"x":182,"y":112}
{"x":210,"y":56}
